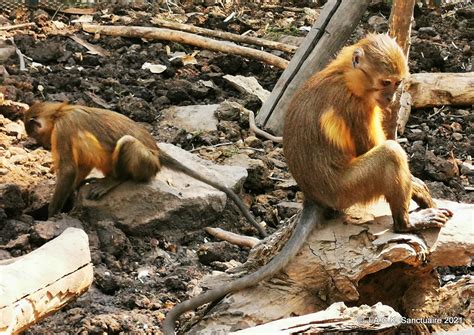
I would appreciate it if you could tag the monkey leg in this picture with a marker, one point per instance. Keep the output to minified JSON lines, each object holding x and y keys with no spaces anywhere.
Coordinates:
{"x":383,"y":171}
{"x":131,"y":160}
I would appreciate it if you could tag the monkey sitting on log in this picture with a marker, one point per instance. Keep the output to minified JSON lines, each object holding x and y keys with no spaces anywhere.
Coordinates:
{"x":336,"y":149}
{"x":82,"y":138}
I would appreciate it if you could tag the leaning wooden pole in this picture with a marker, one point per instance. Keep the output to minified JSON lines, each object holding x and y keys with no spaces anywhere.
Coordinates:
{"x":400,"y":21}
{"x":331,"y":30}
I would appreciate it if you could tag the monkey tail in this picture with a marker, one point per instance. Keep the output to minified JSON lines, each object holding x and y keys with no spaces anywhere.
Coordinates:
{"x":311,"y":215}
{"x":170,"y":162}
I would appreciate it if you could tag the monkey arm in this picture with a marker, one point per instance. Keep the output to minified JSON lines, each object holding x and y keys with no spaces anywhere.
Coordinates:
{"x":66,"y":171}
{"x":64,"y":186}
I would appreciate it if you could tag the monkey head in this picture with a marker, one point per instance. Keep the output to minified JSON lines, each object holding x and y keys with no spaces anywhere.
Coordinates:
{"x":383,"y":66}
{"x":39,"y":122}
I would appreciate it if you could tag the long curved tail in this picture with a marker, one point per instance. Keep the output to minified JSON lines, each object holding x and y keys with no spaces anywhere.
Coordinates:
{"x":173,"y":163}
{"x":311,"y":215}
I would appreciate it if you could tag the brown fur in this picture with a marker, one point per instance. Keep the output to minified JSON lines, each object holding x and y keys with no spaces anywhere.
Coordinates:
{"x":333,"y":138}
{"x":336,"y":150}
{"x":82,"y":138}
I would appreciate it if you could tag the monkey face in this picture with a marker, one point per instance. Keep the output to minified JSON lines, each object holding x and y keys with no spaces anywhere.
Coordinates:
{"x":35,"y":128}
{"x":385,"y":89}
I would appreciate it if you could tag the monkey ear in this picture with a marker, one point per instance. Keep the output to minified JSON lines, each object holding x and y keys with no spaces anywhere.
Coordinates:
{"x":356,"y":56}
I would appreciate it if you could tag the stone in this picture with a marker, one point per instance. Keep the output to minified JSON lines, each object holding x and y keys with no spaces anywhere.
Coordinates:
{"x":440,"y":169}
{"x":191,"y":118}
{"x":287,"y":209}
{"x":257,"y":170}
{"x":229,"y":111}
{"x":47,"y":230}
{"x":247,"y":85}
{"x":173,"y":202}
{"x":11,"y":199}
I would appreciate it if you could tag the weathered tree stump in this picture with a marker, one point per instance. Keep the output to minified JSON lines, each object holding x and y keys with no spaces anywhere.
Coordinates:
{"x":356,"y":259}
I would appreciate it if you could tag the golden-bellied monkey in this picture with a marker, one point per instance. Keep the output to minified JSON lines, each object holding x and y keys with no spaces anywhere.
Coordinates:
{"x":82,"y":138}
{"x":336,"y":150}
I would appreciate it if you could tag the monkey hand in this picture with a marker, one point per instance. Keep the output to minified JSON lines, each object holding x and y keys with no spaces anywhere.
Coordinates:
{"x":100,"y":188}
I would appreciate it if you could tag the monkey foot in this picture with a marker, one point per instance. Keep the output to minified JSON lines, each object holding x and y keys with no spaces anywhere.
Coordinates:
{"x":99,"y":189}
{"x":428,"y":218}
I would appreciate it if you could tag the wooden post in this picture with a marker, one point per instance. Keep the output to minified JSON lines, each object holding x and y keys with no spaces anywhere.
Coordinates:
{"x":331,"y":30}
{"x":400,"y":27}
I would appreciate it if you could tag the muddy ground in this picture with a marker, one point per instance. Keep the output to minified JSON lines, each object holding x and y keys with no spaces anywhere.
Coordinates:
{"x":439,"y":142}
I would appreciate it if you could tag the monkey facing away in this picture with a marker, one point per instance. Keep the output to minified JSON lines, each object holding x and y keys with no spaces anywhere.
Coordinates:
{"x":337,"y":151}
{"x":82,"y":138}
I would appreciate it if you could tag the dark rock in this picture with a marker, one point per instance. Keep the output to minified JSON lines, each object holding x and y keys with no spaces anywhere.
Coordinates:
{"x":257,"y":170}
{"x":217,"y":251}
{"x":112,"y":239}
{"x":231,"y":130}
{"x":137,"y":109}
{"x":253,"y":142}
{"x":229,"y":111}
{"x":287,"y":209}
{"x":11,"y":200}
{"x":440,"y":169}
{"x":45,"y":231}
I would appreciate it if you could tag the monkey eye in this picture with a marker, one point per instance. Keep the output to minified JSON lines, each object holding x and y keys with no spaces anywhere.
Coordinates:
{"x":32,"y":124}
{"x":398,"y":83}
{"x":386,"y":83}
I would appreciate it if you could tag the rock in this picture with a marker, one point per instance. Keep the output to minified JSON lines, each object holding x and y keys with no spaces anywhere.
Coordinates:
{"x":440,"y":169}
{"x":457,"y":136}
{"x":15,"y":129}
{"x":467,"y":169}
{"x":217,"y":252}
{"x":430,"y":31}
{"x":416,"y":135}
{"x":378,"y":23}
{"x":11,"y":200}
{"x":4,"y":255}
{"x":106,"y":281}
{"x":47,"y":230}
{"x":440,"y":190}
{"x":112,"y":239}
{"x":248,"y":85}
{"x":229,"y":111}
{"x":172,"y":202}
{"x":287,"y":209}
{"x":191,"y":118}
{"x":257,"y":170}
{"x":6,"y":51}
{"x":39,"y":196}
{"x":291,"y":40}
{"x":18,"y":243}
{"x":137,"y":109}
{"x":231,"y":130}
{"x":289,"y":184}
{"x":253,"y":142}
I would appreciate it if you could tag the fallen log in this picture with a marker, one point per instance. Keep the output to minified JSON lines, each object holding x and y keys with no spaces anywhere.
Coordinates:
{"x":41,"y":282}
{"x":186,"y":38}
{"x":225,"y":35}
{"x":356,"y":259}
{"x":437,"y":89}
